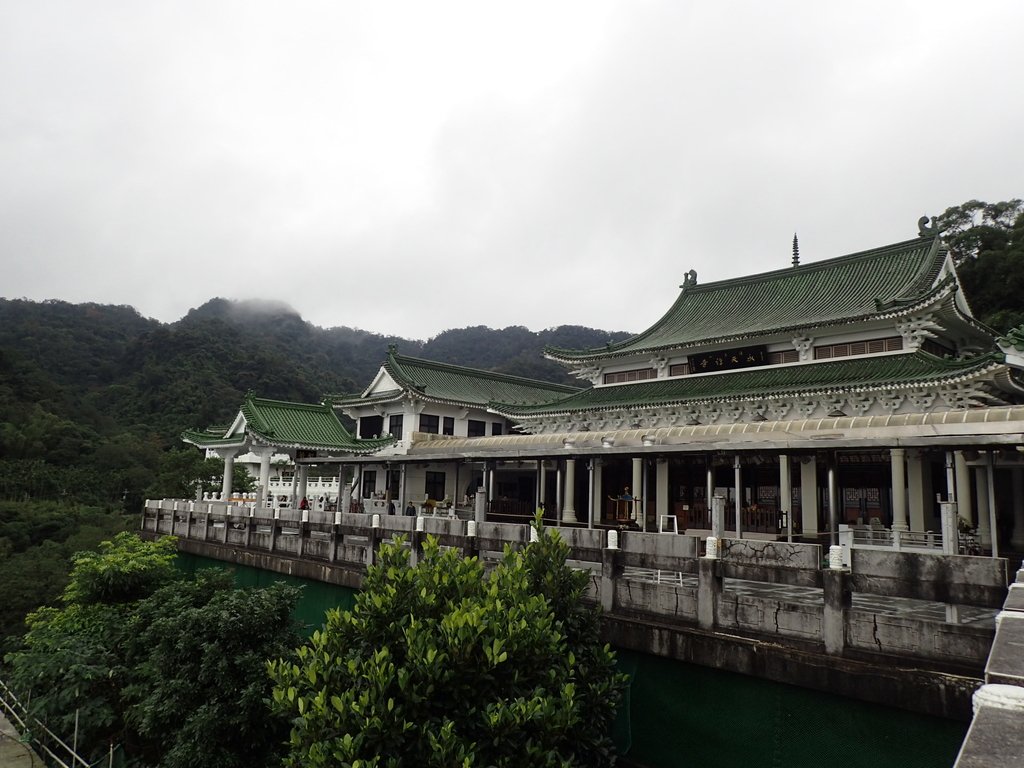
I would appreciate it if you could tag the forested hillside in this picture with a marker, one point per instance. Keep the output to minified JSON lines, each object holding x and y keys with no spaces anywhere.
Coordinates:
{"x":93,"y":398}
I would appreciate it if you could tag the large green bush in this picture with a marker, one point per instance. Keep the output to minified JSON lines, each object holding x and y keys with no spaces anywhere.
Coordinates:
{"x":446,"y":664}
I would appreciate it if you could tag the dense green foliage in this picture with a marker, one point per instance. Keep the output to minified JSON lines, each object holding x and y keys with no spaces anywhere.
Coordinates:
{"x":445,"y":664}
{"x":170,"y":669}
{"x":92,"y":397}
{"x":987,"y":243}
{"x":36,"y":544}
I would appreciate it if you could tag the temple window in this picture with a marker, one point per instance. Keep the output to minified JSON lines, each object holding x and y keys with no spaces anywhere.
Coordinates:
{"x":476,"y":428}
{"x":449,"y":426}
{"x":370,"y":427}
{"x":497,"y":428}
{"x":429,"y":423}
{"x":873,"y":347}
{"x":638,"y":374}
{"x":434,"y":486}
{"x":395,"y":426}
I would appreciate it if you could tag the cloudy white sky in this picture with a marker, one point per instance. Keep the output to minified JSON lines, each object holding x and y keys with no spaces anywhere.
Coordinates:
{"x":407,"y":167}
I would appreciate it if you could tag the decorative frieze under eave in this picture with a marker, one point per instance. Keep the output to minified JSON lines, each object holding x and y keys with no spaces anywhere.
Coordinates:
{"x":993,"y":386}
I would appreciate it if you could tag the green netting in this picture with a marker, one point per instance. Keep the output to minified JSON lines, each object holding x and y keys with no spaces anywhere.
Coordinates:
{"x":687,"y":715}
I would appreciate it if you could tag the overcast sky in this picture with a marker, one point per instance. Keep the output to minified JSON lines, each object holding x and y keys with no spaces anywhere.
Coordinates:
{"x":411,"y":167}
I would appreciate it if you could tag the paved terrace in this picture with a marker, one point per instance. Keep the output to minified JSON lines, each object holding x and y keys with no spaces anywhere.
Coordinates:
{"x":876,"y":631}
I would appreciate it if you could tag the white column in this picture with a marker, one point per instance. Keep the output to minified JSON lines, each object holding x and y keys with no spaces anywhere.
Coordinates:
{"x":265,"y":455}
{"x":809,"y":496}
{"x":786,"y":494}
{"x":303,"y":481}
{"x":661,"y":489}
{"x":738,"y":491}
{"x":981,"y":482}
{"x":964,"y":499}
{"x":596,"y":497}
{"x":637,"y":489}
{"x":990,"y":468}
{"x":345,"y":499}
{"x":542,"y":478}
{"x":919,"y":490}
{"x":569,"y":510}
{"x":897,"y":457}
{"x":1017,"y":500}
{"x":229,"y":471}
{"x":558,"y":491}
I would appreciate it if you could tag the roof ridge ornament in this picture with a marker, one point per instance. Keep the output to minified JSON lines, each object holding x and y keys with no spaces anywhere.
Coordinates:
{"x":796,"y":251}
{"x":923,"y":230}
{"x":689,"y":279}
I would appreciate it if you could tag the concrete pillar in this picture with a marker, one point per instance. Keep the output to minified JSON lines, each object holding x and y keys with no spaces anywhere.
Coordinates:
{"x":990,"y":469}
{"x":489,"y":474}
{"x":786,"y":494}
{"x":897,"y":457}
{"x":303,"y":481}
{"x":345,"y":501}
{"x":229,"y":472}
{"x":1017,"y":500}
{"x":595,"y":492}
{"x":480,"y":508}
{"x":542,"y":478}
{"x":919,"y":491}
{"x":738,"y":493}
{"x":964,"y":500}
{"x":558,"y":492}
{"x":265,"y":455}
{"x":833,"y":503}
{"x":569,"y":510}
{"x":637,"y":488}
{"x":838,"y":599}
{"x":709,"y":591}
{"x":661,"y":488}
{"x":809,"y":495}
{"x":981,"y":483}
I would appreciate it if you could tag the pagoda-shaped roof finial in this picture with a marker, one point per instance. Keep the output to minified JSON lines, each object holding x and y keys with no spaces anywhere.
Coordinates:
{"x":796,"y":251}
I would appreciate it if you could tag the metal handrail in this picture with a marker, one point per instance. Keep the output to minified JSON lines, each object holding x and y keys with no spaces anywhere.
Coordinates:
{"x":27,"y":725}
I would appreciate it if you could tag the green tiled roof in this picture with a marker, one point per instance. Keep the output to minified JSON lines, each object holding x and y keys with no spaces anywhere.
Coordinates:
{"x":285,"y":424}
{"x":847,"y":375}
{"x":854,"y":287}
{"x":456,"y":384}
{"x":1014,"y":339}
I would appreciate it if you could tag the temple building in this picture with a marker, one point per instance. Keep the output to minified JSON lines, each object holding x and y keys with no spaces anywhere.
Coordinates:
{"x":852,"y":393}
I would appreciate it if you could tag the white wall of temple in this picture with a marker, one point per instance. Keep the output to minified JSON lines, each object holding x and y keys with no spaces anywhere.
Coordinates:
{"x":432,"y":418}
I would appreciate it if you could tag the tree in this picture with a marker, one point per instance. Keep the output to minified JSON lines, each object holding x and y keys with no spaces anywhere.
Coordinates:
{"x":445,"y":664}
{"x":986,"y":241}
{"x":171,"y":669}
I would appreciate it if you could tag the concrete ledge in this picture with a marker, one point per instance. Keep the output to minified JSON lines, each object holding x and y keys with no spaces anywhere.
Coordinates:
{"x":916,"y":690}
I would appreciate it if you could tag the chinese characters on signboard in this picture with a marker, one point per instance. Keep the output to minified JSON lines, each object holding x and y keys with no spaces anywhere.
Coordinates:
{"x":728,"y":359}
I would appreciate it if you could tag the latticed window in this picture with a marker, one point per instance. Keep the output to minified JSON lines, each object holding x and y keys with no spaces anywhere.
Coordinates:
{"x":638,"y":374}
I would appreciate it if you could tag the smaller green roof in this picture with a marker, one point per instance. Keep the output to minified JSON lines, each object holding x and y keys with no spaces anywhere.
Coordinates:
{"x":287,"y":424}
{"x":456,"y":384}
{"x":1014,"y":339}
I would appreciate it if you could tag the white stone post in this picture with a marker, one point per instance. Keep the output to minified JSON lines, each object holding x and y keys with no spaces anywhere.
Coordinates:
{"x":809,"y":496}
{"x":965,"y":504}
{"x":345,"y":500}
{"x":569,"y":510}
{"x":981,"y":483}
{"x":229,"y":472}
{"x":303,"y":481}
{"x":919,"y":489}
{"x":897,"y":456}
{"x":738,"y":493}
{"x":990,"y":464}
{"x":661,"y":489}
{"x":637,"y":488}
{"x":265,"y":455}
{"x":786,"y":494}
{"x":1017,"y":500}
